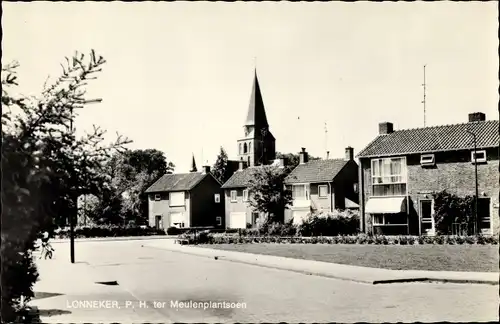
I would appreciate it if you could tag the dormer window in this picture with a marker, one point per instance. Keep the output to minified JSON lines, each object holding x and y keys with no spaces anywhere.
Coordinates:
{"x":478,"y":156}
{"x":427,"y":160}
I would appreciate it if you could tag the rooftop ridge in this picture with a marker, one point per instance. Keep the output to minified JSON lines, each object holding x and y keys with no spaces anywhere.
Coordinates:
{"x":445,"y":125}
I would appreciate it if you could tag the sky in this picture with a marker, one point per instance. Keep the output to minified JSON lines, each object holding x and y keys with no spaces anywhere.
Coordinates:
{"x":178,"y":75}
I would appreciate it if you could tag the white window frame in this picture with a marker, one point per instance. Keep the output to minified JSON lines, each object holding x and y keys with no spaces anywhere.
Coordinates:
{"x":217,"y":198}
{"x":306,"y":191}
{"x":427,"y":160}
{"x":479,"y":160}
{"x":245,"y":194}
{"x":157,"y":197}
{"x":171,"y":204}
{"x":234,"y":196}
{"x":218,"y":219}
{"x":319,"y":191}
{"x":403,"y":174}
{"x":378,"y":215}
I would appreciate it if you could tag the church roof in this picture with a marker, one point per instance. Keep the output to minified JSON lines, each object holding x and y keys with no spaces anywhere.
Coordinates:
{"x":256,"y":112}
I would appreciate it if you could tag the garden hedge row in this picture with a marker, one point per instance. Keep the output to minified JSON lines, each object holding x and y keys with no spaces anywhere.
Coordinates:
{"x":208,"y":238}
{"x":109,"y":231}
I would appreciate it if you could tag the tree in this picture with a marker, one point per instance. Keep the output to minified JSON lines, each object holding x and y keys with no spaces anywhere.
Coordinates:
{"x":133,"y":172}
{"x":220,"y":169}
{"x":44,"y":168}
{"x":292,"y":159}
{"x":268,"y":193}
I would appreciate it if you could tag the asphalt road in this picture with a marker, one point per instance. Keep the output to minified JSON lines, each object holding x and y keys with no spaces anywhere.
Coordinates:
{"x":150,"y":281}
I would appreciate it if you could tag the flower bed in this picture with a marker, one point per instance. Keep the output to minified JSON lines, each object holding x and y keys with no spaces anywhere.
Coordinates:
{"x":226,"y":238}
{"x":109,"y":231}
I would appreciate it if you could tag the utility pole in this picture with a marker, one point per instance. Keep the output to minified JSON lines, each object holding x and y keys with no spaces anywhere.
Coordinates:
{"x":477,"y":189}
{"x":424,"y":101}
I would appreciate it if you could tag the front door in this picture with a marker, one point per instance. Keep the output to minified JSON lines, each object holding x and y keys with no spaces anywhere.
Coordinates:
{"x":158,"y":222}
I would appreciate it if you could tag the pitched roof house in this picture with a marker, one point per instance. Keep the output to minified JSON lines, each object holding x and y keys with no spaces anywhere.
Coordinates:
{"x":322,"y":185}
{"x":402,"y":169}
{"x":192,"y":199}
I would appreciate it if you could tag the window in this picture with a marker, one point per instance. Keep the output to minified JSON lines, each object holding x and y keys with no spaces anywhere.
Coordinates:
{"x":480,"y":156}
{"x":300,"y":192}
{"x":157,"y":197}
{"x":426,"y":218}
{"x":218,"y":220}
{"x":323,"y":191}
{"x":250,"y":147}
{"x":427,"y":160}
{"x":355,"y":187}
{"x":177,"y":198}
{"x":234,"y":196}
{"x":483,"y":211}
{"x":245,"y":148}
{"x":240,"y":150}
{"x":217,"y":198}
{"x":389,"y":176}
{"x":255,"y":218}
{"x":245,"y":195}
{"x":378,"y":219}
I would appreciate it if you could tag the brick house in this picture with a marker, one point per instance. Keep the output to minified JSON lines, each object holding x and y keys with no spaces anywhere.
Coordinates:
{"x":322,"y":185}
{"x":256,"y":148}
{"x":181,"y":200}
{"x":401,"y":169}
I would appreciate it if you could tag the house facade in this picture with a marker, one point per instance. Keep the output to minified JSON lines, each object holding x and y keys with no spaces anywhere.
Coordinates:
{"x":256,"y":148}
{"x":193,"y":199}
{"x":322,"y":185}
{"x":401,"y":170}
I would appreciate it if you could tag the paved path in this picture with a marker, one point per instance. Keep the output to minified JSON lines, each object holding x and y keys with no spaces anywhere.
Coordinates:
{"x":332,"y":270}
{"x":148,"y":276}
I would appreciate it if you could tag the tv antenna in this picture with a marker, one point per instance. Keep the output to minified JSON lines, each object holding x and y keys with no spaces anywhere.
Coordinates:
{"x":326,"y":140}
{"x":425,"y":86}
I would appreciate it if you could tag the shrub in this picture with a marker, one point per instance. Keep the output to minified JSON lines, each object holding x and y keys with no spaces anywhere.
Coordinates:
{"x":109,"y":231}
{"x":173,"y":231}
{"x":330,"y":224}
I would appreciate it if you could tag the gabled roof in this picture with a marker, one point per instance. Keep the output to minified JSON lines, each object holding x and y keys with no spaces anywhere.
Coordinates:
{"x":241,"y":178}
{"x":316,"y":171}
{"x":434,"y":139}
{"x":177,"y":182}
{"x":256,"y":112}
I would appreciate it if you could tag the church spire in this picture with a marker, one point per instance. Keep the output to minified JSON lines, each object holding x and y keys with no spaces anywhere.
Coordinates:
{"x":193,"y":166}
{"x":256,"y":116}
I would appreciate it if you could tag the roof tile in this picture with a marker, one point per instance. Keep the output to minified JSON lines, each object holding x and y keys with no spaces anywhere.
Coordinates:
{"x":316,"y":171}
{"x":176,"y":182}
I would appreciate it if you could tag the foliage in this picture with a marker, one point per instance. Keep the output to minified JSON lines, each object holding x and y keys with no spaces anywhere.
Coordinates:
{"x":292,"y":159}
{"x":330,"y":224}
{"x":449,"y":209}
{"x":44,"y":167}
{"x":268,"y":194}
{"x":109,"y":231}
{"x":277,"y":229}
{"x":211,"y":238}
{"x":87,"y":209}
{"x":173,"y":231}
{"x":133,"y":171}
{"x":220,"y":168}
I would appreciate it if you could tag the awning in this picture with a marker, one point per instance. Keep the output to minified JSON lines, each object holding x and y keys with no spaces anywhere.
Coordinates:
{"x":386,"y":205}
{"x":349,"y":204}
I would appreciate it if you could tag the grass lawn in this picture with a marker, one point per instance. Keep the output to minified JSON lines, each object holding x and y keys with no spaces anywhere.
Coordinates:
{"x":480,"y":258}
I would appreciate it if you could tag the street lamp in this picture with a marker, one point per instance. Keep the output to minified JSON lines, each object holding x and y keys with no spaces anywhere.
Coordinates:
{"x":74,"y":202}
{"x":475,"y":170}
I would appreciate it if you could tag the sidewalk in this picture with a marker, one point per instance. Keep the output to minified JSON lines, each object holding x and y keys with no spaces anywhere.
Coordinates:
{"x":333,"y":270}
{"x":69,"y":293}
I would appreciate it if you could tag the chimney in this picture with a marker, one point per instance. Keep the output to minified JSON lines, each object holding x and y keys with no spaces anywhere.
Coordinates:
{"x":385,"y":128}
{"x":241,"y":165}
{"x":349,"y":153}
{"x":206,"y":169}
{"x":303,"y":156}
{"x":477,"y":116}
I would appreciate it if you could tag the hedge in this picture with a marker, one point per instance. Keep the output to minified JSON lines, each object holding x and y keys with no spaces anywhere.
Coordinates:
{"x":209,"y":238}
{"x":109,"y":231}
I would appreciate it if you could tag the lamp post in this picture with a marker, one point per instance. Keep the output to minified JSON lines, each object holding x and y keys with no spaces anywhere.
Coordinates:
{"x":475,"y":171}
{"x":74,"y":210}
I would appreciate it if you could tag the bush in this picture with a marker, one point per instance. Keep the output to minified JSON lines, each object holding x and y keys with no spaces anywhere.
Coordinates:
{"x":330,"y":224}
{"x":173,"y":231}
{"x":109,"y":231}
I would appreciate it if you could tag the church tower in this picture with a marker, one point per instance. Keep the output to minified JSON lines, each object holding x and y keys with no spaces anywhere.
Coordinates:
{"x":258,"y":146}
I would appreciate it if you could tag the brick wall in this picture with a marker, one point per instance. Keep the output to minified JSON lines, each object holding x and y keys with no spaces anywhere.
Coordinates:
{"x":453,"y":172}
{"x":204,"y":209}
{"x":162,"y":208}
{"x":239,"y":206}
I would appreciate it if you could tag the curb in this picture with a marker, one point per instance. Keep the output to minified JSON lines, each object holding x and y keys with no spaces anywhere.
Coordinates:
{"x":334,"y":276}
